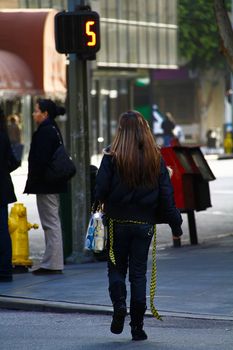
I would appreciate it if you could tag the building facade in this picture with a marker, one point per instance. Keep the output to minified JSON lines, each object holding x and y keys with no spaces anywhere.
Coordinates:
{"x":137,"y":37}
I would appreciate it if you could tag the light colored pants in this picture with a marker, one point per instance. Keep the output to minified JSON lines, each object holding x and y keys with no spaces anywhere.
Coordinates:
{"x":48,"y":208}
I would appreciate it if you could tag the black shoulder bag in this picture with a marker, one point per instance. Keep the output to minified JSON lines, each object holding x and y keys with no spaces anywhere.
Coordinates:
{"x":61,"y":167}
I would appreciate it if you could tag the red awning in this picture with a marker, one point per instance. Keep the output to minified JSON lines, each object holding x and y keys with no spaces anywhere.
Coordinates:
{"x":29,"y":36}
{"x":15,"y":76}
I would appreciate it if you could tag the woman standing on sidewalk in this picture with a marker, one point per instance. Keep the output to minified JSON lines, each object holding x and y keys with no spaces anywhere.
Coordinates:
{"x":7,"y":164}
{"x":134,"y":185}
{"x":45,"y":141}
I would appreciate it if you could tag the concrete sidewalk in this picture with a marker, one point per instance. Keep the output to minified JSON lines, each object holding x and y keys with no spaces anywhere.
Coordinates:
{"x":211,"y":223}
{"x":192,"y":281}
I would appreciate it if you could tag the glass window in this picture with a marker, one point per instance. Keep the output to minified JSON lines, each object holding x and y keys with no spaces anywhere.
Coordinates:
{"x":153,"y":45}
{"x":162,"y":46}
{"x":152,"y":15}
{"x":133,"y":44}
{"x":23,"y":3}
{"x":58,"y":4}
{"x":123,"y":52}
{"x":136,"y":43}
{"x":94,"y":125}
{"x":143,"y":30}
{"x":113,"y":110}
{"x":172,"y":12}
{"x":33,"y":4}
{"x":109,"y":98}
{"x":45,"y":3}
{"x":102,"y":54}
{"x":111,"y":8}
{"x":172,"y":44}
{"x":133,"y":10}
{"x":112,"y":42}
{"x":122,"y":9}
{"x":123,"y":96}
{"x":162,"y":11}
{"x":103,"y":112}
{"x":142,"y":10}
{"x":103,"y":8}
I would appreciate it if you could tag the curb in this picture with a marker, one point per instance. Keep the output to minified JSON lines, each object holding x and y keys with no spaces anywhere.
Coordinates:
{"x":40,"y":305}
{"x":27,"y":304}
{"x":225,"y":156}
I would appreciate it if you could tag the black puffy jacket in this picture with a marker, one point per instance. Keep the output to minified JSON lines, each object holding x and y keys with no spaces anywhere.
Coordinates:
{"x":44,"y":143}
{"x":140,"y":204}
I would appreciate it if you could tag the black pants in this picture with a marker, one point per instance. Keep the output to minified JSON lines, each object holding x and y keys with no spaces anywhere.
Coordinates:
{"x":131,"y":244}
{"x":5,"y":243}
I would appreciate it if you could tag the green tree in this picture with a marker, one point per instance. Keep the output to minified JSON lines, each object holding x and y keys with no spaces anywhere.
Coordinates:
{"x":199,"y":42}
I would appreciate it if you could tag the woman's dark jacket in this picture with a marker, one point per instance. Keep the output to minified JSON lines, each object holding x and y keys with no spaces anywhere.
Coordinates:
{"x":7,"y":194}
{"x":141,"y":204}
{"x":44,"y":143}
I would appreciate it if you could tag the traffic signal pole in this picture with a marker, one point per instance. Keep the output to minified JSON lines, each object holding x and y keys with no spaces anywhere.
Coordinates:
{"x":79,"y":147}
{"x":77,"y":33}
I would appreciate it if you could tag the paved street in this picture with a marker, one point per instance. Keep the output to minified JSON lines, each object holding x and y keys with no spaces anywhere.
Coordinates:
{"x":46,"y":331}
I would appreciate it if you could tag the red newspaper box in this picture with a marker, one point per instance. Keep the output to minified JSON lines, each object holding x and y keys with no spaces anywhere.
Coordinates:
{"x":190,"y":179}
{"x":182,"y":176}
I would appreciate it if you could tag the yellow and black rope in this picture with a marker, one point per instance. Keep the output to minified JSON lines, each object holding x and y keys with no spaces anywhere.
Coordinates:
{"x":154,"y":267}
{"x":111,"y":252}
{"x":153,"y":281}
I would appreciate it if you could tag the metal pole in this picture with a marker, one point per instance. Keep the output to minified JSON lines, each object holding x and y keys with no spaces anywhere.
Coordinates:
{"x":192,"y":227}
{"x":79,"y":146}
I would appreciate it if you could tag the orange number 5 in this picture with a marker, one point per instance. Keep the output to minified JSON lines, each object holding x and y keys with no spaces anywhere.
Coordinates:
{"x":91,"y":34}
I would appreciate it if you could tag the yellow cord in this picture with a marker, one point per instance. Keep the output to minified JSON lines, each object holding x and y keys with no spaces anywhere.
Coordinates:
{"x":154,"y":268}
{"x":153,"y":280}
{"x":111,"y":252}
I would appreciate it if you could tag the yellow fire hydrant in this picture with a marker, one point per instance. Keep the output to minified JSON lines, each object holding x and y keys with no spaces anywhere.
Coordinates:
{"x":18,"y":228}
{"x":228,"y":143}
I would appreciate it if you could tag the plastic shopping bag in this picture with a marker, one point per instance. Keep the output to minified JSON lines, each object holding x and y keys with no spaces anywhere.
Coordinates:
{"x":96,"y":234}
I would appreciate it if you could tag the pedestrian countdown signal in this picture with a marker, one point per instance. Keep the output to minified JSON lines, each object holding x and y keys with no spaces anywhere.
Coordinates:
{"x":90,"y":33}
{"x":78,"y":32}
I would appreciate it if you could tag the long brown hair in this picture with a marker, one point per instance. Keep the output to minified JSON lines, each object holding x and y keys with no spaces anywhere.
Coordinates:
{"x":136,"y":154}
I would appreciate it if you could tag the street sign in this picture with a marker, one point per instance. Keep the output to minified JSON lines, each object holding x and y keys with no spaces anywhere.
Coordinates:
{"x":78,"y":32}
